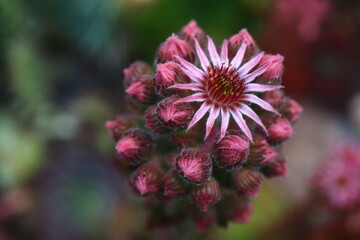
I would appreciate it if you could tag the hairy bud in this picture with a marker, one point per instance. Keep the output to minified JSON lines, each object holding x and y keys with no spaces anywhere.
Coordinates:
{"x":142,"y":89}
{"x":147,"y":178}
{"x":247,"y":181}
{"x":260,"y":152}
{"x":118,"y":126}
{"x":152,"y":121}
{"x":275,"y":71}
{"x":236,"y":40}
{"x":291,"y":110}
{"x":192,"y":31}
{"x":206,"y":194}
{"x":174,"y":185}
{"x":276,"y":168}
{"x":172,"y":47}
{"x":279,"y":130}
{"x":134,"y":70}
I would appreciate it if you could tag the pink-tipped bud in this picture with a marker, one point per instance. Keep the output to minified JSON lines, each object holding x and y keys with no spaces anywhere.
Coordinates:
{"x":279,"y":130}
{"x":134,"y":70}
{"x":152,"y":121}
{"x":260,"y":152}
{"x":174,"y":185}
{"x":174,"y":46}
{"x":205,"y":220}
{"x":247,"y":181}
{"x":291,"y":110}
{"x":194,"y":165}
{"x":232,"y":151}
{"x":276,"y":168}
{"x":274,"y":98}
{"x":275,"y":71}
{"x":238,"y":208}
{"x":147,"y":178}
{"x":192,"y":31}
{"x":134,"y":146}
{"x":174,"y":115}
{"x":206,"y":194}
{"x":168,"y":74}
{"x":236,"y":40}
{"x":118,"y":126}
{"x":142,"y":89}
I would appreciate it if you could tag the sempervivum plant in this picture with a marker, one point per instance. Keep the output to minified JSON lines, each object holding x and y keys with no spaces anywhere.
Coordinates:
{"x":213,"y":122}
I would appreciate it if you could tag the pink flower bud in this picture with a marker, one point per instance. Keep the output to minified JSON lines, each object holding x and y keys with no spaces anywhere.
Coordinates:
{"x":168,"y":74}
{"x":142,"y":89}
{"x":172,"y":47}
{"x":206,"y":194}
{"x":192,"y":31}
{"x":204,"y":220}
{"x":134,"y":70}
{"x":238,"y":208}
{"x":152,"y":121}
{"x":236,"y":40}
{"x":260,"y":152}
{"x":291,"y":110}
{"x":174,"y":115}
{"x":247,"y":181}
{"x":194,"y":165}
{"x":280,"y":130}
{"x":134,"y":146}
{"x":276,"y":168}
{"x":232,"y":151}
{"x":147,"y":178}
{"x":174,"y":185}
{"x":118,"y":126}
{"x":275,"y":71}
{"x":275,"y":98}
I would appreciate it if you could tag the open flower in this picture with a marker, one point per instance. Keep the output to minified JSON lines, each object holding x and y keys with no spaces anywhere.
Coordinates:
{"x":225,"y":87}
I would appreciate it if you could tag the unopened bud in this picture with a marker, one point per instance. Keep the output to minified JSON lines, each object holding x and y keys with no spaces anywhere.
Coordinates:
{"x":174,"y":185}
{"x":152,"y":121}
{"x":276,"y":168}
{"x":194,"y":165}
{"x":274,"y":98}
{"x":236,"y":40}
{"x":192,"y":31}
{"x":247,"y":181}
{"x":260,"y":152}
{"x":275,"y":70}
{"x":279,"y":130}
{"x":118,"y":126}
{"x":142,"y":89}
{"x":134,"y":70}
{"x":147,"y":178}
{"x":291,"y":110}
{"x":172,"y":47}
{"x":206,"y":194}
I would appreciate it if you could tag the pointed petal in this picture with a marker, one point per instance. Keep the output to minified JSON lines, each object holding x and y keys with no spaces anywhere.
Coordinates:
{"x":191,"y":70}
{"x":254,"y":99}
{"x":202,"y":57}
{"x":246,"y":110}
{"x":239,"y":56}
{"x":250,"y":64}
{"x":199,"y":114}
{"x":251,"y":76}
{"x":224,"y":53}
{"x":213,"y":52}
{"x":254,"y":87}
{"x":225,"y":117}
{"x":214,"y":113}
{"x":197,"y":97}
{"x":188,"y":86}
{"x":242,"y":124}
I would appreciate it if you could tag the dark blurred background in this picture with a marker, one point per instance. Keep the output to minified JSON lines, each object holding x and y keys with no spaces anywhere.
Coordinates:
{"x":61,"y":65}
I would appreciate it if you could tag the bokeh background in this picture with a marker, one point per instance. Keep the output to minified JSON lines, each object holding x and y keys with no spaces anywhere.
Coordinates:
{"x":61,"y":65}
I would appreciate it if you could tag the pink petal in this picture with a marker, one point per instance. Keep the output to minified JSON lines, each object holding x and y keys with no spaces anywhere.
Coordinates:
{"x":188,"y":86}
{"x":254,"y":87}
{"x":213,"y":52}
{"x":254,"y":99}
{"x":202,"y":57}
{"x":251,"y":76}
{"x":246,"y":110}
{"x":239,"y":56}
{"x":224,"y":53}
{"x":250,"y":64}
{"x":191,"y":70}
{"x":242,"y":124}
{"x":224,"y":122}
{"x":214,"y":113}
{"x":197,"y":97}
{"x":199,"y":114}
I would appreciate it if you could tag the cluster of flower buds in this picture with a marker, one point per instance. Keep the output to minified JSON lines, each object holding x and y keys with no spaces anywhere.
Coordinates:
{"x":176,"y":153}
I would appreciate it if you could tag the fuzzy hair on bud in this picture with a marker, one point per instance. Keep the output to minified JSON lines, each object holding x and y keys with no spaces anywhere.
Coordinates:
{"x":247,"y":181}
{"x":118,"y":126}
{"x":276,"y":168}
{"x":274,"y":98}
{"x":134,"y":70}
{"x":291,"y":110}
{"x":147,"y":178}
{"x":280,"y":130}
{"x":142,"y":89}
{"x":174,"y":185}
{"x":236,"y":40}
{"x":152,"y":122}
{"x":172,"y":47}
{"x":206,"y":194}
{"x":192,"y":31}
{"x":260,"y":152}
{"x":275,"y":70}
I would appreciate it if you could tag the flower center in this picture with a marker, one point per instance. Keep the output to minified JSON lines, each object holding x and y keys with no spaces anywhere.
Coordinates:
{"x":224,"y":85}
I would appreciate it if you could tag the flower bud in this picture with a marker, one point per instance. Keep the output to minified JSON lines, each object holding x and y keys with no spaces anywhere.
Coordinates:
{"x":142,"y":89}
{"x":260,"y":152}
{"x":274,"y":98}
{"x":174,"y":115}
{"x":276,"y":168}
{"x":291,"y":110}
{"x":134,"y":146}
{"x":194,"y":165}
{"x":152,"y":122}
{"x":118,"y":126}
{"x":172,"y":47}
{"x":168,"y":74}
{"x":238,"y":208}
{"x":204,"y":220}
{"x":280,"y":130}
{"x":236,"y":40}
{"x":147,"y":178}
{"x":247,"y":181}
{"x":206,"y":194}
{"x":275,"y":71}
{"x":232,"y":151}
{"x":174,"y":185}
{"x":134,"y":70}
{"x":192,"y":31}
